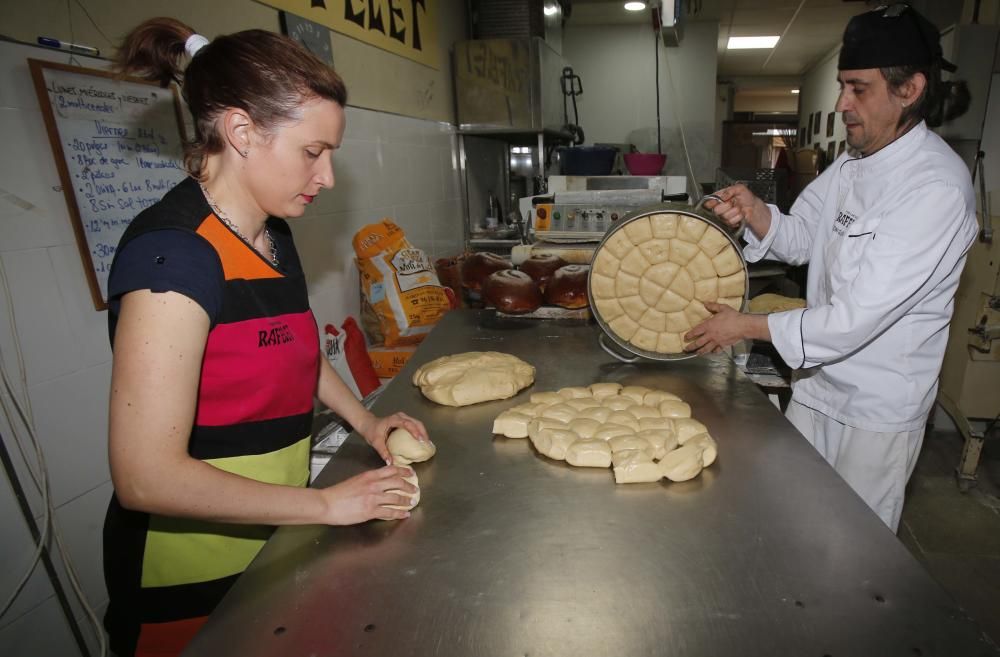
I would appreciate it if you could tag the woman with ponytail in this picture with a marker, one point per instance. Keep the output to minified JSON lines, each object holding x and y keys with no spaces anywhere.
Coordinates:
{"x":216,"y":352}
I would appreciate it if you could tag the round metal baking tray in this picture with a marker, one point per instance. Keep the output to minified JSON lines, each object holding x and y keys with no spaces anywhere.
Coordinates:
{"x":635,"y":353}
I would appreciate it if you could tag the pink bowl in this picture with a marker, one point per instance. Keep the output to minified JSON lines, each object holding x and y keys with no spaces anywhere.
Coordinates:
{"x":644,"y":164}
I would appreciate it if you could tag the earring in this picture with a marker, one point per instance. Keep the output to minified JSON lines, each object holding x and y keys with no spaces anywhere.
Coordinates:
{"x":904,"y":107}
{"x":244,"y":153}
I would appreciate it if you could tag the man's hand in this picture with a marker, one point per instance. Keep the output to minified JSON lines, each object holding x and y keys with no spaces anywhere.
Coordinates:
{"x":725,"y":327}
{"x":739,"y":205}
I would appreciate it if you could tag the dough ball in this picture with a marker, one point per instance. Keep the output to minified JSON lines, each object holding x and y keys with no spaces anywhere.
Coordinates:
{"x":639,"y":230}
{"x":608,"y":431}
{"x":414,"y":497}
{"x":691,"y":229}
{"x":406,"y":449}
{"x":634,"y":263}
{"x":591,"y":453}
{"x":675,"y":409}
{"x":664,"y":226}
{"x":623,"y":418}
{"x":606,"y":264}
{"x":575,"y":392}
{"x":512,"y":424}
{"x":601,"y":390}
{"x":602,"y":286}
{"x":709,"y":446}
{"x":669,"y":343}
{"x":584,"y":427}
{"x":733,"y":285}
{"x":635,"y":393}
{"x":727,"y":262}
{"x":547,"y":398}
{"x":645,"y":339}
{"x":617,"y":403}
{"x":656,"y":251}
{"x":635,"y":467}
{"x":657,"y":397}
{"x":582,"y":403}
{"x":561,"y":412}
{"x":599,"y":413}
{"x":660,"y":440}
{"x":713,"y":241}
{"x":688,"y":428}
{"x":618,"y":244}
{"x":683,"y":463}
{"x":641,"y":411}
{"x":660,"y":423}
{"x":528,"y":409}
{"x":559,"y":442}
{"x":473,"y":377}
{"x":609,"y":309}
{"x":629,"y":443}
{"x":681,"y":251}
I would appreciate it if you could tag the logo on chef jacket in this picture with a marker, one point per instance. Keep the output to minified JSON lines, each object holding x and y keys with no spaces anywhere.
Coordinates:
{"x":843,"y":222}
{"x":275,"y":337}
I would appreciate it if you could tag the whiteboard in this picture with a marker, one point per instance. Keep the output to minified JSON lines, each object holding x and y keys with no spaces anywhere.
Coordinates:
{"x":118,"y":146}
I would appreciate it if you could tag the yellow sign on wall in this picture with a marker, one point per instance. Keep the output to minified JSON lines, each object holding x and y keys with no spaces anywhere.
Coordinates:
{"x":404,"y":27}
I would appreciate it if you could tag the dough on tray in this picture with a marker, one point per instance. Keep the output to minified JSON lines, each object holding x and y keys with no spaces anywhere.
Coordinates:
{"x":473,"y":377}
{"x":589,"y":453}
{"x":652,"y":277}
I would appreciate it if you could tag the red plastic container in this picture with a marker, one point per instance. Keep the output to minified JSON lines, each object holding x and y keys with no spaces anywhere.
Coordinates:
{"x":644,"y":164}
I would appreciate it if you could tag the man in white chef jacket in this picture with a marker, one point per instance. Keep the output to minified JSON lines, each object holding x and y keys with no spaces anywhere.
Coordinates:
{"x":885,"y":230}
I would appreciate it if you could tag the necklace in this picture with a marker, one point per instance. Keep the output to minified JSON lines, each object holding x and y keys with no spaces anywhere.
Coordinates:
{"x":232,"y":226}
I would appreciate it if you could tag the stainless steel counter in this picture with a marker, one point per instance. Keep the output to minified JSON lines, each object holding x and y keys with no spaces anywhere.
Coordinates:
{"x":768,"y":552}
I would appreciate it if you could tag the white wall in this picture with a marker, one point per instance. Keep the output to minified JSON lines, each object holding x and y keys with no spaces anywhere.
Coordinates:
{"x":617,"y":67}
{"x":819,"y":92}
{"x":389,"y":165}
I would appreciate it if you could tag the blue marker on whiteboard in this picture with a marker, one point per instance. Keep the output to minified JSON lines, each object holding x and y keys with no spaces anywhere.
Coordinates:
{"x":49,"y":42}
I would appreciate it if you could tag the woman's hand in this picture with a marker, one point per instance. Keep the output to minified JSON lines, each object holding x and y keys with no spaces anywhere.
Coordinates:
{"x":740,"y":205}
{"x":376,"y":429}
{"x":364,"y":497}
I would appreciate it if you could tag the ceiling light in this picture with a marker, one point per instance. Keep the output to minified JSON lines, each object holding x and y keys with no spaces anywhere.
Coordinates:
{"x":551,"y":10}
{"x":635,"y":6}
{"x":742,"y":43}
{"x":795,"y":91}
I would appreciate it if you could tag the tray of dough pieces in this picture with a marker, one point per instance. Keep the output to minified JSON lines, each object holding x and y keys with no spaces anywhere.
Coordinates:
{"x":652,"y":274}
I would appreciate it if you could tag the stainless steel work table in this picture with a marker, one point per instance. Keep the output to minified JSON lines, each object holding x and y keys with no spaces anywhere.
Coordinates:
{"x":767,"y":552}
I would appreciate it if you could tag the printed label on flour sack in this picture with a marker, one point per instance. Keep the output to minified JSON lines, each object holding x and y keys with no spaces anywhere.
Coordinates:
{"x":399,"y":282}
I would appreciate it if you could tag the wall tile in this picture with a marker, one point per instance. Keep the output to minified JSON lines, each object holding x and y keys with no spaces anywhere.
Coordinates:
{"x":42,"y":322}
{"x":32,"y":206}
{"x":89,"y":327}
{"x":71,"y":420}
{"x":42,"y":632}
{"x":81,"y":524}
{"x":16,"y":551}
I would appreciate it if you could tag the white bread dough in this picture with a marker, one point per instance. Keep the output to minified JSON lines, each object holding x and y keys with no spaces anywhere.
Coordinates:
{"x":687,"y":428}
{"x":662,"y":441}
{"x":406,"y":449}
{"x":708,"y":445}
{"x":675,"y":409}
{"x":635,"y":467}
{"x":512,"y":424}
{"x":414,"y":497}
{"x":629,"y":443}
{"x":473,"y":377}
{"x":682,"y":463}
{"x":604,"y":389}
{"x":609,"y":431}
{"x":590,"y":453}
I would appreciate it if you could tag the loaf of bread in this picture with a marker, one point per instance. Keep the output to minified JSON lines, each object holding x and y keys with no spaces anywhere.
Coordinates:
{"x":476,"y":267}
{"x":568,"y":287}
{"x":512,"y":292}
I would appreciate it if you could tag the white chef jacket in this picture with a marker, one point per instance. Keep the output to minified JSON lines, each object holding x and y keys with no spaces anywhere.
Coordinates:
{"x":885,"y":237}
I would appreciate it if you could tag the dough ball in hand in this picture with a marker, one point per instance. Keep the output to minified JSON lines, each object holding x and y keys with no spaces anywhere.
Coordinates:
{"x":414,"y":497}
{"x":406,"y":449}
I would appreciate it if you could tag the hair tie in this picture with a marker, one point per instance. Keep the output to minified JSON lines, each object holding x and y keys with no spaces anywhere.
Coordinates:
{"x":194,"y":43}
